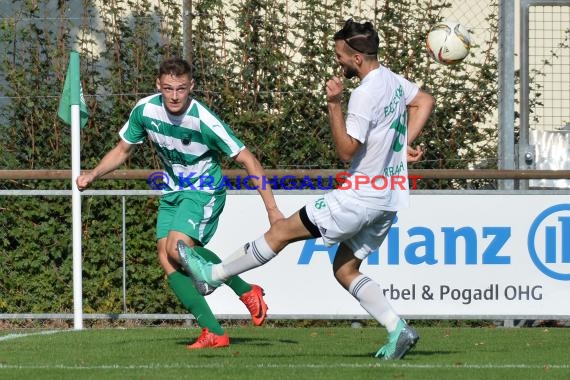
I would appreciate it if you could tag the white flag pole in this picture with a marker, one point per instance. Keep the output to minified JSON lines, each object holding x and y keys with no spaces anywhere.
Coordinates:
{"x":76,"y":212}
{"x":70,"y":112}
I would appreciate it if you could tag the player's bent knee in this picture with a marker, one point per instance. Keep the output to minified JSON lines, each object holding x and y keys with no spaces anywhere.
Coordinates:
{"x":277,"y":233}
{"x":345,"y":274}
{"x":171,"y":250}
{"x":165,"y":262}
{"x":286,"y":231}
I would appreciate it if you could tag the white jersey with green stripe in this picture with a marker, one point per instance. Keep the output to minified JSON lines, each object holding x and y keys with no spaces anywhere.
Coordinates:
{"x":189,"y":145}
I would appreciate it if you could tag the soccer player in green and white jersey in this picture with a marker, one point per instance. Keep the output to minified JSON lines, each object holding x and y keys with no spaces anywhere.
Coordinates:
{"x":189,"y":139}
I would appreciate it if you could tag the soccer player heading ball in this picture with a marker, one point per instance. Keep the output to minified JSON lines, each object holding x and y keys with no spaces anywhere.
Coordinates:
{"x":385,"y":114}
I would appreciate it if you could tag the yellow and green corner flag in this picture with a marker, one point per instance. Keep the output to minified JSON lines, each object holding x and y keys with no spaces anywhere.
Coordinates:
{"x":72,"y":93}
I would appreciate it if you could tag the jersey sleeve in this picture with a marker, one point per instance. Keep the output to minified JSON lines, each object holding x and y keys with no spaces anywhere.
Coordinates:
{"x":218,"y":135}
{"x":133,"y":131}
{"x":358,"y":116}
{"x":410,"y":89}
{"x":357,"y":127}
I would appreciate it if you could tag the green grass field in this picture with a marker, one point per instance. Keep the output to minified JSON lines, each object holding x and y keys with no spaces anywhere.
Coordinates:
{"x":329,"y":353}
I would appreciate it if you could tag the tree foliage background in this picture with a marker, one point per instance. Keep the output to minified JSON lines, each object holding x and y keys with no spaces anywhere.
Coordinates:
{"x":261,"y":65}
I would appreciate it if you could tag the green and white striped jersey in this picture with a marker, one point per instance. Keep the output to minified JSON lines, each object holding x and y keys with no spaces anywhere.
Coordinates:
{"x":188,"y":145}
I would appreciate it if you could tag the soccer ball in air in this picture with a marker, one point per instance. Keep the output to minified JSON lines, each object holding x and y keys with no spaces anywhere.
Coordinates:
{"x":448,"y":42}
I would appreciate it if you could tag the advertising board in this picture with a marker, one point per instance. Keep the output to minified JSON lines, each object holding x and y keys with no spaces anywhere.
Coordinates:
{"x":447,"y":256}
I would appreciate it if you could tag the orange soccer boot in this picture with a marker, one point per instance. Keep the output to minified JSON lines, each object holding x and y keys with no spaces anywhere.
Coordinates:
{"x":254,"y":302}
{"x":210,"y":340}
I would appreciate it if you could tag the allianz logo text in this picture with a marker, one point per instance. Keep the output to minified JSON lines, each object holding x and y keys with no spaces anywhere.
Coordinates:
{"x":547,"y":241}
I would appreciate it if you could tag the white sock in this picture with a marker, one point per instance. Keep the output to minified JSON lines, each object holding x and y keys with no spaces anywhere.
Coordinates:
{"x":250,"y":256}
{"x":372,"y":299}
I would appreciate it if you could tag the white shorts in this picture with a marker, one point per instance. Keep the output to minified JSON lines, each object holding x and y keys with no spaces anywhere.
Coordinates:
{"x":347,"y":221}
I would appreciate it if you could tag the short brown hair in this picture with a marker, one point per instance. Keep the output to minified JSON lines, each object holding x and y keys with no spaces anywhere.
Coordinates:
{"x":176,"y":67}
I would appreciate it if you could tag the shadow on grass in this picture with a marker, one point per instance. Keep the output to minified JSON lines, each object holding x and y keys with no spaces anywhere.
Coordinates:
{"x":247,"y":341}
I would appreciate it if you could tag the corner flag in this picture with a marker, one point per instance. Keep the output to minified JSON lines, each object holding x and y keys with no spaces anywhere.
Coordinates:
{"x":73,"y":111}
{"x":72,"y":93}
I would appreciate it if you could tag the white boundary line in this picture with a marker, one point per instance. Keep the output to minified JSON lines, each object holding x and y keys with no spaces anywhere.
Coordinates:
{"x":18,"y":336}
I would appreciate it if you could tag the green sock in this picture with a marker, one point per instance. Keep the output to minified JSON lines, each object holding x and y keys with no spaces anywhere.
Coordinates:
{"x":239,"y":286}
{"x":194,"y":302}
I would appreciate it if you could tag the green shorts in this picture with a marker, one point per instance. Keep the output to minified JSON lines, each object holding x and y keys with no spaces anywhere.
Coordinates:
{"x":194,"y":213}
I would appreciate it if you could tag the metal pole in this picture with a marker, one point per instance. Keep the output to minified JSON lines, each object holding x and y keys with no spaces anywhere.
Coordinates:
{"x":507,"y":158}
{"x":124,"y":227}
{"x":524,"y":92}
{"x":187,"y":25}
{"x":144,"y":174}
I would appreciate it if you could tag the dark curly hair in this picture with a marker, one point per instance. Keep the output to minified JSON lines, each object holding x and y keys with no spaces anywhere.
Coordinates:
{"x":361,"y":37}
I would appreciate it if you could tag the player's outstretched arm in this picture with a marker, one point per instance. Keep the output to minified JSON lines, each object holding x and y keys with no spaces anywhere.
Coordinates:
{"x":419,"y":110}
{"x":111,"y":161}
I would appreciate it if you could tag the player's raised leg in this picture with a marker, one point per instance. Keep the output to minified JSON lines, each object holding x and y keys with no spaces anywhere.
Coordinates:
{"x":194,"y":264}
{"x":249,"y":256}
